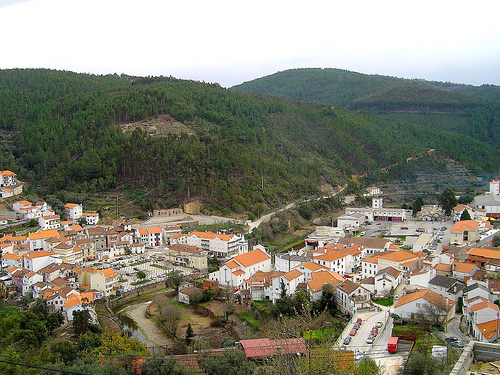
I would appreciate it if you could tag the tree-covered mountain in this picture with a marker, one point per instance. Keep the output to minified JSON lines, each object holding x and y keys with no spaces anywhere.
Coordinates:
{"x":87,"y":133}
{"x":462,"y":109}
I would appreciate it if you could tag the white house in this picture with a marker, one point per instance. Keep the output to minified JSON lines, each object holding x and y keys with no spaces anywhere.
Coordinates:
{"x":29,"y":280}
{"x":37,"y":240}
{"x":73,"y":211}
{"x":351,"y":297}
{"x":289,"y":281}
{"x":447,"y":287}
{"x":49,"y":222}
{"x":425,"y":303}
{"x":10,"y":260}
{"x":39,"y":259}
{"x":308,"y":268}
{"x":91,"y":218}
{"x":242,"y":267}
{"x":387,"y":279}
{"x":287,"y":262}
{"x":483,"y":319}
{"x":321,"y":278}
{"x":220,"y":245}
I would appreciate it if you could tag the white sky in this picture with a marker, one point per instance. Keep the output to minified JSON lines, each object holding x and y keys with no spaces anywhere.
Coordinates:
{"x":232,"y":41}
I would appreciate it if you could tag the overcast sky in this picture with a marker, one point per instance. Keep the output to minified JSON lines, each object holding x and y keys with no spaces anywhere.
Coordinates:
{"x":233,"y":41}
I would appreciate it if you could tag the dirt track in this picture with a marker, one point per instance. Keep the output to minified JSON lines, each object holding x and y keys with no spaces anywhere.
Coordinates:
{"x":153,"y":334}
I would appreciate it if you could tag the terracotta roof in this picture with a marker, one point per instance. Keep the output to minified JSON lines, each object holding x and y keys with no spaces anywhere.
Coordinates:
{"x":77,"y":228}
{"x":320,"y":278}
{"x":494,"y":285}
{"x":108,"y":273}
{"x":154,"y":230}
{"x":464,"y":267}
{"x":238,"y":272}
{"x":373,"y":259}
{"x":463,"y":225}
{"x":43,"y":234}
{"x":11,"y":256}
{"x":95,"y":230}
{"x":429,"y":296}
{"x":398,"y":256}
{"x":72,"y":301}
{"x":211,"y":236}
{"x":460,"y":207}
{"x":293,"y":274}
{"x":330,"y":256}
{"x":38,"y":254}
{"x":252,"y":257}
{"x":485,"y":253}
{"x":70,"y":205}
{"x":484,"y":305}
{"x":443,"y":267}
{"x":142,"y":231}
{"x":231,"y":264}
{"x":488,"y":329}
{"x":312,"y":266}
{"x":348,"y":286}
{"x":389,"y":270}
{"x":266,"y":347}
{"x":186,"y":248}
{"x":368,"y":280}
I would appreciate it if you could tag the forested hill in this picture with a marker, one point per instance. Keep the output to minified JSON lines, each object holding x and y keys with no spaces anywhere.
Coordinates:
{"x":464,"y":109}
{"x":180,"y":140}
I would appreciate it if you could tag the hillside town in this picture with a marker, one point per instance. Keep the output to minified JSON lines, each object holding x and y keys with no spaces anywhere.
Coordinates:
{"x":433,"y":267}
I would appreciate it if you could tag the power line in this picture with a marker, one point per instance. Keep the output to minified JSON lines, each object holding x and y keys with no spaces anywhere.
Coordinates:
{"x":44,"y":368}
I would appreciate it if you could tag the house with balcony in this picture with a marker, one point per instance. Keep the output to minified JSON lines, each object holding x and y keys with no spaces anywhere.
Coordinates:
{"x":104,"y":281}
{"x":351,"y":297}
{"x":242,"y":267}
{"x":91,"y":218}
{"x":73,"y":211}
{"x":187,"y":256}
{"x":222,"y":246}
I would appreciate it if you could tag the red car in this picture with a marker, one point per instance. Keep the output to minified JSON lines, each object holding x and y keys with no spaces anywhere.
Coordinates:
{"x":353,"y":332}
{"x":359,"y":320}
{"x":374,"y":332}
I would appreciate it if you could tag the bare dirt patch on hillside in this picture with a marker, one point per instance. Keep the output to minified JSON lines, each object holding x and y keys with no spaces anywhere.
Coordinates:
{"x":162,"y":125}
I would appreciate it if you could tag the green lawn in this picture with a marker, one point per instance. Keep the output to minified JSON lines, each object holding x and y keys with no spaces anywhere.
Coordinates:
{"x":158,"y":266}
{"x":140,"y":282}
{"x":251,"y":321}
{"x":384,"y":302}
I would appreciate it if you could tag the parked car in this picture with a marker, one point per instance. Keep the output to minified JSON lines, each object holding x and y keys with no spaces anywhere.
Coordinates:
{"x":452,"y":338}
{"x":353,"y":332}
{"x":378,"y":324}
{"x":457,"y":344}
{"x":359,"y":321}
{"x":356,"y":326}
{"x":370,"y":339}
{"x":359,"y":355}
{"x":347,"y":340}
{"x":374,"y":332}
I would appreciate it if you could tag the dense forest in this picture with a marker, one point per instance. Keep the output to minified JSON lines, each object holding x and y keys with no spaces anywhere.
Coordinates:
{"x":237,"y":152}
{"x":463,"y":109}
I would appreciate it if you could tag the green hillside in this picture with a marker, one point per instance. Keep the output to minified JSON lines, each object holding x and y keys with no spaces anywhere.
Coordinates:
{"x":462,"y":109}
{"x":167,"y":141}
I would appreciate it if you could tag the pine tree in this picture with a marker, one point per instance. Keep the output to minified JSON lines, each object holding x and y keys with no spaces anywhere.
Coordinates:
{"x":465,"y":215}
{"x":189,"y":334}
